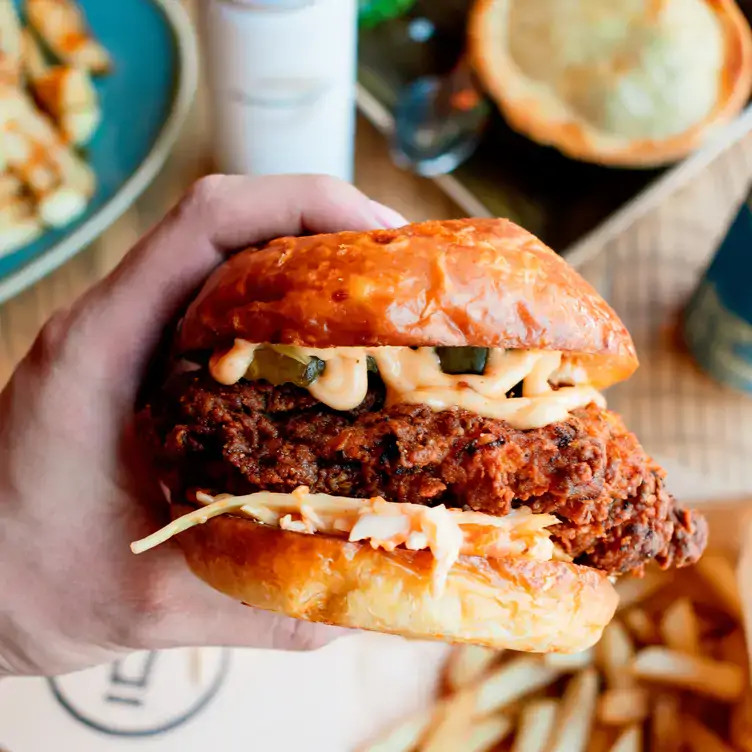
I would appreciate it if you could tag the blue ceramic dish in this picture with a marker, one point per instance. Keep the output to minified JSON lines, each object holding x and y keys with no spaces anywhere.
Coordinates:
{"x":144,"y":101}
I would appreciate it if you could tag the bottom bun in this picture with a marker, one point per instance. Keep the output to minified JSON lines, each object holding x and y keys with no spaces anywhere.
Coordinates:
{"x":512,"y":603}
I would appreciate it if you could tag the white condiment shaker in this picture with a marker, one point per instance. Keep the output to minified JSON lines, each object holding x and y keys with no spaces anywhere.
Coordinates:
{"x":281,"y":76}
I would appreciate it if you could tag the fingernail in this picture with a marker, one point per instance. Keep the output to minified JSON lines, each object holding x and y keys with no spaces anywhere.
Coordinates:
{"x":386,"y":217}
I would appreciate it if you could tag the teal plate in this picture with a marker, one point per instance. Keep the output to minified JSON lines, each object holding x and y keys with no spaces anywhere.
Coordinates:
{"x":144,"y":101}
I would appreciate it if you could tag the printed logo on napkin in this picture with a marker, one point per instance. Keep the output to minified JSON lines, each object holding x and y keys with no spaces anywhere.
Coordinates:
{"x":143,"y":694}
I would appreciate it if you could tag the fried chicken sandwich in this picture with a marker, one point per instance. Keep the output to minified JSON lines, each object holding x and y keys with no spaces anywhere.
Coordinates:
{"x":403,"y":430}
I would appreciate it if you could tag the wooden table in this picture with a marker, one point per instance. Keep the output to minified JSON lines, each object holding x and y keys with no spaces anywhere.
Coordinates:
{"x":704,"y":206}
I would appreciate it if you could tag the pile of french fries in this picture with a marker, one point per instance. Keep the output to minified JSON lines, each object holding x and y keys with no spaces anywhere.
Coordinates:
{"x":670,"y":674}
{"x":49,"y":109}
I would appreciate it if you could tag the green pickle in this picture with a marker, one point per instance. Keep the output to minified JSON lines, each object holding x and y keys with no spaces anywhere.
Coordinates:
{"x":278,"y":369}
{"x":459,"y":360}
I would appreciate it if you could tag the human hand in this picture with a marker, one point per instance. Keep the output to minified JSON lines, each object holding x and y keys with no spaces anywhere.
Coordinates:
{"x":74,"y":491}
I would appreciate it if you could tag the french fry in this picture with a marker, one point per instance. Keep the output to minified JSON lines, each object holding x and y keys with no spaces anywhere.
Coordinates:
{"x":61,"y":207}
{"x":403,"y":737}
{"x":452,"y":723}
{"x":630,"y":740}
{"x":62,"y":26}
{"x":601,"y":739}
{"x":680,"y":629}
{"x":18,"y":227}
{"x":690,"y":653}
{"x":640,"y":624}
{"x":570,"y":661}
{"x":75,"y":173}
{"x":665,"y":724}
{"x":31,"y":144}
{"x":699,"y":738}
{"x":718,"y":573}
{"x":34,"y":62}
{"x":10,"y":44}
{"x":10,"y":187}
{"x":740,"y":727}
{"x":621,"y":707}
{"x":28,"y":160}
{"x":718,"y":679}
{"x":614,"y":653}
{"x":66,"y":92}
{"x":456,"y":726}
{"x":535,"y":726}
{"x":511,"y":681}
{"x":634,"y":590}
{"x":44,"y":182}
{"x":57,"y":203}
{"x":733,"y":648}
{"x":576,"y":711}
{"x":466,"y":664}
{"x":487,"y":734}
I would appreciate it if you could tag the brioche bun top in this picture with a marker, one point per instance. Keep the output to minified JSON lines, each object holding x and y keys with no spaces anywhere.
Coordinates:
{"x":479,"y":282}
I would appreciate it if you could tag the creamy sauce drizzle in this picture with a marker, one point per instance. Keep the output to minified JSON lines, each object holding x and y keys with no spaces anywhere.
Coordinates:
{"x":415,"y":377}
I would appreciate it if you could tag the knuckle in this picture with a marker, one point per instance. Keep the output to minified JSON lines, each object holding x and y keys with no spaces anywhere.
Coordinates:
{"x":198,"y":202}
{"x":327,"y":187}
{"x":51,"y":341}
{"x":202,"y":193}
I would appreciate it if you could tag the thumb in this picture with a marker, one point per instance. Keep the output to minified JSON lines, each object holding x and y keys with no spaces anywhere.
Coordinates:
{"x":122,"y":318}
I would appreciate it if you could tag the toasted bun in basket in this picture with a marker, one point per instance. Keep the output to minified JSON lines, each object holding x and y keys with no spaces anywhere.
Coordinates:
{"x":478,"y":282}
{"x":511,"y":603}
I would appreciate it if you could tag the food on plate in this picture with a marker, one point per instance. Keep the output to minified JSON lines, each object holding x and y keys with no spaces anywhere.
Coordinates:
{"x":536,"y":725}
{"x":618,"y":707}
{"x":66,"y":92}
{"x":18,"y":222}
{"x":665,"y":725}
{"x":617,"y":83}
{"x":718,"y":573}
{"x":636,"y":589}
{"x":402,"y":430}
{"x":639,"y":623}
{"x":452,"y":732}
{"x":48,"y":107}
{"x":62,"y":25}
{"x":680,"y":628}
{"x":570,"y":661}
{"x":574,"y":719}
{"x":720,"y":679}
{"x":630,"y":740}
{"x":699,"y":738}
{"x":57,"y":179}
{"x":586,"y":709}
{"x":614,"y":653}
{"x":10,"y":44}
{"x":467,"y":663}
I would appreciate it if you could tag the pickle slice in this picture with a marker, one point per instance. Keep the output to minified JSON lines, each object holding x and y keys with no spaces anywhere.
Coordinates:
{"x":458,"y":360}
{"x":291,"y":351}
{"x":278,"y":369}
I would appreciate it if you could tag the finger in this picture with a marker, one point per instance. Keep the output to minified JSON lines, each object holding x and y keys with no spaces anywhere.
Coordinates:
{"x":193,"y":614}
{"x":124,"y":315}
{"x":231,"y":624}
